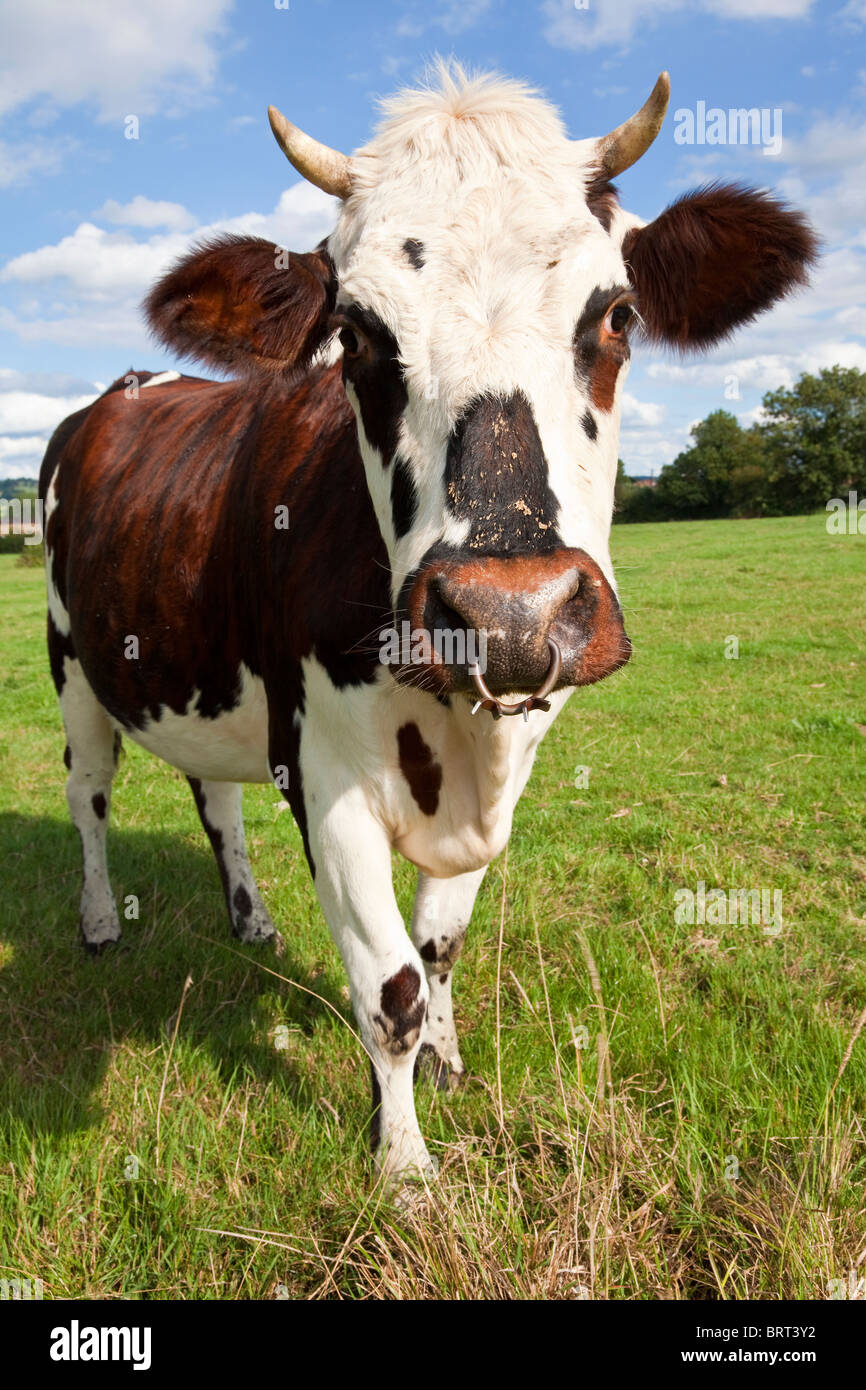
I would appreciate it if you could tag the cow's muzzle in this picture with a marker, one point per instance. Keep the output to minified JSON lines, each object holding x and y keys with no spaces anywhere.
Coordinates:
{"x":528,"y":623}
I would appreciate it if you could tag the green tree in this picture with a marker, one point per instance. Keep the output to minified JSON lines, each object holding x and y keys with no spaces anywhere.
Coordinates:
{"x":622,"y":487}
{"x":815,"y":437}
{"x":723,"y":471}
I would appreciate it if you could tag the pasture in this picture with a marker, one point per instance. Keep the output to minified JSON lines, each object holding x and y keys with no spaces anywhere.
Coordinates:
{"x":656,"y":1108}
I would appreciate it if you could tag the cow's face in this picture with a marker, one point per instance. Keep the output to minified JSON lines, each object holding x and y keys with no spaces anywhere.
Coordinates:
{"x":482,"y":287}
{"x":485,"y":341}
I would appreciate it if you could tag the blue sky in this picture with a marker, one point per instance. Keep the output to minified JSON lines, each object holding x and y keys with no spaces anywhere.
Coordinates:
{"x":91,"y":217}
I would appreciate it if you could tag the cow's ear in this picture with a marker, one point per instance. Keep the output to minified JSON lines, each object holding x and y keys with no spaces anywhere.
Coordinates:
{"x":713,"y":260}
{"x":244,"y":304}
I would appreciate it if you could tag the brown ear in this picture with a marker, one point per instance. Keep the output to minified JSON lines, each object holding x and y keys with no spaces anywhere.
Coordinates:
{"x":713,"y":260}
{"x":244,"y":304}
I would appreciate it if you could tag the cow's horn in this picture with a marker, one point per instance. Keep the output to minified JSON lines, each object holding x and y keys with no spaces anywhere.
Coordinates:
{"x":326,"y":168}
{"x":625,"y":145}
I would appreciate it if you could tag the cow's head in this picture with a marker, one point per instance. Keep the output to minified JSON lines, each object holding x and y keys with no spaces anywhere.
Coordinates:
{"x":482,"y":284}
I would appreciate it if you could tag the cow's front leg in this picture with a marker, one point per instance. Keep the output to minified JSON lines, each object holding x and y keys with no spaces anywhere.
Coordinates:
{"x":443,"y":907}
{"x":351,"y":860}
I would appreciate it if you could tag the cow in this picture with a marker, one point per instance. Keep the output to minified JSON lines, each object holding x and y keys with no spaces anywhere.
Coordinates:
{"x":417,"y":437}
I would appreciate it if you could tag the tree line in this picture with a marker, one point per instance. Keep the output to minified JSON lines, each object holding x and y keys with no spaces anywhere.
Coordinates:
{"x":810,"y":447}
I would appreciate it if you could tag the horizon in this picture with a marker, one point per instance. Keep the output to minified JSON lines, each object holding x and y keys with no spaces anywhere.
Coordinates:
{"x":118,"y":149}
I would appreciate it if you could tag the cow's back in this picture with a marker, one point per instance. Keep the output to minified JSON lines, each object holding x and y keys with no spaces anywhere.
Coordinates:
{"x":194,"y":532}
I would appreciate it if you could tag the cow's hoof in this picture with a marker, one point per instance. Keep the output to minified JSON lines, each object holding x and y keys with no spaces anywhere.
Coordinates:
{"x":408,"y":1196}
{"x":98,"y":941}
{"x":429,"y":1066}
{"x":406,"y":1177}
{"x":255,"y":928}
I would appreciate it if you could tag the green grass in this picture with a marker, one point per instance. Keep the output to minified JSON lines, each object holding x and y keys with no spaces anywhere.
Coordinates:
{"x":706,"y":1141}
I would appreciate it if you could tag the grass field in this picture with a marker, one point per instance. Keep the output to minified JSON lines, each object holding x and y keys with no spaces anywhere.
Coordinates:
{"x":666,"y":1109}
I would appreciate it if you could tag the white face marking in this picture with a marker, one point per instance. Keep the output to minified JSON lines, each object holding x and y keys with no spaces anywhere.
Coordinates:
{"x":496,"y":195}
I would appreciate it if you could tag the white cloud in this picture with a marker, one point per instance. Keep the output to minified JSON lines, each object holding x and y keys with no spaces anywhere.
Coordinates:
{"x":97,"y":276}
{"x":647,"y":450}
{"x":616,"y":21}
{"x":641,"y":412}
{"x":834,"y":142}
{"x":97,"y":262}
{"x":46,"y":383}
{"x":762,"y":372}
{"x":123,"y":58}
{"x":454,"y":16}
{"x":118,"y":326}
{"x":23,"y":411}
{"x":32,"y":404}
{"x":145,"y":212}
{"x":760,"y":9}
{"x":20,"y":162}
{"x":853,"y":14}
{"x":26,"y":449}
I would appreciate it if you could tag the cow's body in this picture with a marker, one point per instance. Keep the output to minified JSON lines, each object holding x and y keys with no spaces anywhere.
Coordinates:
{"x":217,"y":682}
{"x":258,"y":652}
{"x":224,"y":558}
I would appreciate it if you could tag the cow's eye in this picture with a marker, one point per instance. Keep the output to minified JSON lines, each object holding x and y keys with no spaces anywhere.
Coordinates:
{"x":350,"y":342}
{"x":619,"y":319}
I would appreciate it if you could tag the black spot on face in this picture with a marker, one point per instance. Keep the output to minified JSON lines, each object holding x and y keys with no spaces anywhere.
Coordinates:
{"x":404,"y":498}
{"x":377,"y":379}
{"x":496,"y":477}
{"x":415,"y":251}
{"x":98,"y":802}
{"x":428,"y":951}
{"x":590,"y":427}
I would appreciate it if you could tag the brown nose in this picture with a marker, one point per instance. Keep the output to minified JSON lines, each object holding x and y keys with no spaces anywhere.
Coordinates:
{"x":511,"y":607}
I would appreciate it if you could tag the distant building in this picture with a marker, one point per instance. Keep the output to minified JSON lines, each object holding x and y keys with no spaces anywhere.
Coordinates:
{"x":644,"y":480}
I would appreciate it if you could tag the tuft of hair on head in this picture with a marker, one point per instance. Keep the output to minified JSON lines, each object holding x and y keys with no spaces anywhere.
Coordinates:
{"x":451,"y":104}
{"x":446,"y":86}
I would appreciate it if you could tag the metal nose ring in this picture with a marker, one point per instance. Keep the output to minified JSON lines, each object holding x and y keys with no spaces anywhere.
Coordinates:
{"x":497,"y":708}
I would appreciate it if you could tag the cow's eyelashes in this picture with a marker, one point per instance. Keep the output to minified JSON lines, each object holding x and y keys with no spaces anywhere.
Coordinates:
{"x":618,"y":320}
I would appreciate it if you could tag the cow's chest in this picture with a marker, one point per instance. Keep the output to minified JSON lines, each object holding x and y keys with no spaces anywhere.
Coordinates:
{"x":442,"y":783}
